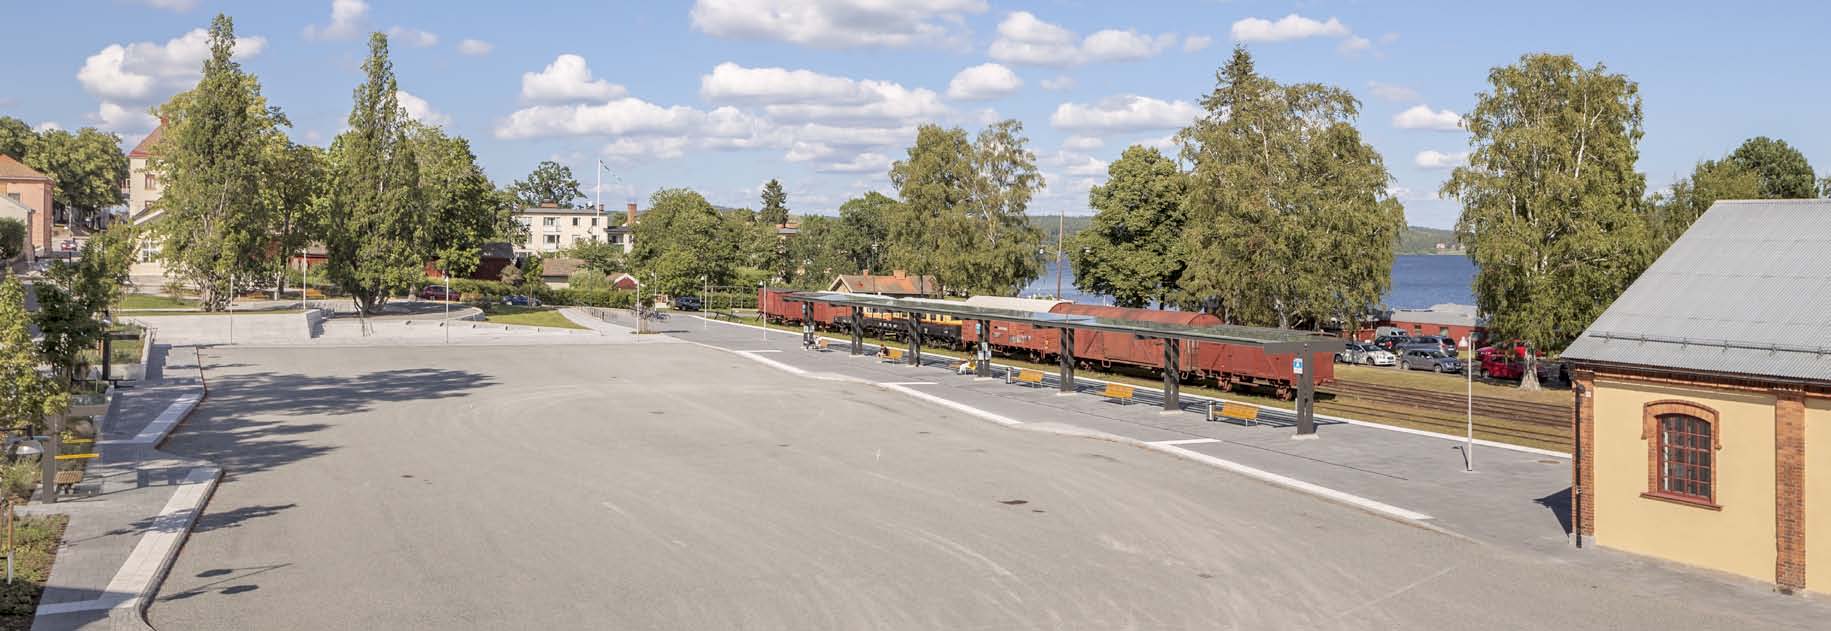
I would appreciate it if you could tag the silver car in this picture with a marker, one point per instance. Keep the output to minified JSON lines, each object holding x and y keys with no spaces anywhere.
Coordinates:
{"x":1365,"y":353}
{"x":1425,"y":359}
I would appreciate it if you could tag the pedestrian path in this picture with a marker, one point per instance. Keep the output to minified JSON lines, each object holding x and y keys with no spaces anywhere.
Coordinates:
{"x":133,"y":509}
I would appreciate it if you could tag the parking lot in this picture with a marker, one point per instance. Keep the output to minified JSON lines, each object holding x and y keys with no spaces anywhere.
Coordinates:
{"x":672,"y":486}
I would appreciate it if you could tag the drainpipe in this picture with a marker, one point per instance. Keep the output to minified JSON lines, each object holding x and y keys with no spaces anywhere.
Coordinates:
{"x":1576,"y":455}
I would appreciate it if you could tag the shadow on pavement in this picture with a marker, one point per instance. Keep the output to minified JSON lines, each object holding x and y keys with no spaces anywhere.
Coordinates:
{"x":1559,"y":503}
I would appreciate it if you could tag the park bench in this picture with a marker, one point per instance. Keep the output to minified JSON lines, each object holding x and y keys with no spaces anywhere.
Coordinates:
{"x":1031,"y":377}
{"x":1118,"y":392}
{"x":895,"y":355}
{"x":66,"y":481}
{"x":1244,"y":413}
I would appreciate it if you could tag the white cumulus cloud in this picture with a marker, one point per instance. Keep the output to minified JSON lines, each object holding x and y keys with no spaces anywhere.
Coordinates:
{"x":45,"y":126}
{"x":1423,"y":117}
{"x":1287,"y":28}
{"x":567,"y":80}
{"x":475,"y":47}
{"x":861,"y":163}
{"x":1433,"y":159}
{"x":625,"y":149}
{"x":1024,"y":38}
{"x":130,"y":78}
{"x":1196,"y":42}
{"x":1083,"y":143}
{"x":418,"y":109}
{"x":836,"y":23}
{"x":984,"y":81}
{"x":1123,"y":113}
{"x":347,"y":17}
{"x":624,"y":116}
{"x":1390,"y":92}
{"x":1060,"y":82}
{"x":807,"y":96}
{"x":171,"y":5}
{"x":413,"y":37}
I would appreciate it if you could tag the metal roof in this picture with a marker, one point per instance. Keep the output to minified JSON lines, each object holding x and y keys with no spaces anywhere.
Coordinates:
{"x":1745,"y":291}
{"x":1273,"y":340}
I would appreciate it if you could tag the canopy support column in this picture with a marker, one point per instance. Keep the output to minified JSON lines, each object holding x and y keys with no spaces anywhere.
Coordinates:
{"x":982,"y":358}
{"x":915,"y":340}
{"x":807,"y":325}
{"x":1172,"y":375}
{"x":1066,"y":356}
{"x":858,"y":331}
{"x":1306,"y":394}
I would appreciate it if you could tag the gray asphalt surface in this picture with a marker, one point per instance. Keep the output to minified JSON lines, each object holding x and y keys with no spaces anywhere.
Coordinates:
{"x":678,"y":487}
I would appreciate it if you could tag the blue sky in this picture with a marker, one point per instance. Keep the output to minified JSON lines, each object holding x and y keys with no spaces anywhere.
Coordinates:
{"x":721,"y":95}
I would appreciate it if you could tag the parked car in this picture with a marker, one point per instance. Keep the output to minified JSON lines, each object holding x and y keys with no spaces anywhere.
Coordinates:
{"x":1376,"y":356}
{"x":1508,"y":361}
{"x":1441,"y":342}
{"x":1390,"y":342}
{"x":519,"y":300}
{"x":688,"y":303}
{"x":1351,"y":353}
{"x":437,"y":292}
{"x":1426,"y":359}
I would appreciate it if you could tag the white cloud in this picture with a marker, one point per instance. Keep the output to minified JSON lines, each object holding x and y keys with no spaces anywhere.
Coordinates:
{"x":1354,"y":45}
{"x":984,"y":81}
{"x":413,"y":37}
{"x":171,"y":5}
{"x":1123,"y":113}
{"x":1083,"y":143}
{"x":1407,"y":194}
{"x":1288,"y":28}
{"x":1390,"y":92}
{"x":130,"y":78}
{"x":47,"y":126}
{"x":625,"y":149}
{"x":418,"y":109}
{"x":1024,"y":38}
{"x":807,"y":96}
{"x":805,"y":151}
{"x":347,"y":17}
{"x":622,"y":116}
{"x":862,"y":163}
{"x":1196,"y":42}
{"x":1423,"y":117}
{"x":475,"y":47}
{"x":1082,"y":165}
{"x":836,"y":23}
{"x":567,"y":80}
{"x":1433,"y":159}
{"x":1060,"y":82}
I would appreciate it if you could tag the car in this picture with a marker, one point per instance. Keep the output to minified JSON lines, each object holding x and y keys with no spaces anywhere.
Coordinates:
{"x":1351,"y":353}
{"x":688,"y":303}
{"x":1390,"y":342}
{"x":1379,"y":357}
{"x":520,"y":300}
{"x":437,"y":292}
{"x":1441,"y":342}
{"x":1427,"y":359}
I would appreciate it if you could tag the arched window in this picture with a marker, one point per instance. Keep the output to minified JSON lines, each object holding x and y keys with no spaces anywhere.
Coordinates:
{"x":1682,"y":441}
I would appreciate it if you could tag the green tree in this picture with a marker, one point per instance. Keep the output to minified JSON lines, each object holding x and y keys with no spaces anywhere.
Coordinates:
{"x":1289,"y":222}
{"x":1133,"y":251}
{"x":865,"y":231}
{"x":1671,"y":213}
{"x":1551,"y":203}
{"x":462,"y":208}
{"x":818,"y":252}
{"x":681,"y":240}
{"x":75,"y":294}
{"x":294,"y":194}
{"x":1783,"y":170}
{"x":12,"y":238}
{"x":775,"y":204}
{"x":26,"y":395}
{"x":87,"y":166}
{"x":550,"y":183}
{"x":375,"y":204}
{"x":1006,"y":243}
{"x":601,"y":257}
{"x":212,"y":160}
{"x":16,"y":137}
{"x":962,"y":212}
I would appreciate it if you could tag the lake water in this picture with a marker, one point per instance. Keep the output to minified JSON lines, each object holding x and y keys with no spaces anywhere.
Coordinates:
{"x":1418,"y":281}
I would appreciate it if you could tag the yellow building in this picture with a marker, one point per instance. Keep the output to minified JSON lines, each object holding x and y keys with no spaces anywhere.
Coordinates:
{"x":1704,"y":400}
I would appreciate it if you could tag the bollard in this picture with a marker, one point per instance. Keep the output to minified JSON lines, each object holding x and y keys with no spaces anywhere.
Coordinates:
{"x":1210,"y":411}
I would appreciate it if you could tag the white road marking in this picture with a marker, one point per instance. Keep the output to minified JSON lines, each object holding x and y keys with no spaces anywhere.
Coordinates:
{"x":156,"y":430}
{"x":155,"y":551}
{"x":955,"y":405}
{"x":1186,"y":441}
{"x":766,"y":350}
{"x":908,"y":383}
{"x":1294,"y":484}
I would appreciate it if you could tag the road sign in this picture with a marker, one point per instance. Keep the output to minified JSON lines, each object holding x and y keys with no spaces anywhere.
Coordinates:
{"x":1296,"y":365}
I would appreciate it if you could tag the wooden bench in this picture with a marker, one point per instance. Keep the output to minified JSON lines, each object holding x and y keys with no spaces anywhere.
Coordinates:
{"x":66,"y":481}
{"x":1118,"y":392}
{"x":820,"y":344}
{"x":1027,"y":376}
{"x":895,"y":355}
{"x":1244,"y":413}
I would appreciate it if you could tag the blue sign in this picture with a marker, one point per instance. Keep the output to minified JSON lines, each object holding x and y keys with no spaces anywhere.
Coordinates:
{"x":1297,"y":365}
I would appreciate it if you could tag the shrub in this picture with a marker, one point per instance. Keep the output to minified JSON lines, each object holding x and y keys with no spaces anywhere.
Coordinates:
{"x":588,"y":279}
{"x":19,"y":478}
{"x":12,"y":238}
{"x":612,"y":299}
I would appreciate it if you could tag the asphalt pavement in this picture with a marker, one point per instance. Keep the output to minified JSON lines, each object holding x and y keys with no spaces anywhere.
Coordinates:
{"x":673,"y":486}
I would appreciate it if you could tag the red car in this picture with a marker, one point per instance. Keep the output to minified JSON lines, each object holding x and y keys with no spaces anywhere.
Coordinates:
{"x":438,"y":292}
{"x":1497,"y":362}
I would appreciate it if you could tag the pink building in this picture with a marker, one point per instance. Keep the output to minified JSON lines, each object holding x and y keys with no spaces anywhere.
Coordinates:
{"x":31,"y":189}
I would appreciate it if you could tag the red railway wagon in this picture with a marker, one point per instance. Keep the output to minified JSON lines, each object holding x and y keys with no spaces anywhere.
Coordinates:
{"x":1231,"y":366}
{"x":777,"y":309}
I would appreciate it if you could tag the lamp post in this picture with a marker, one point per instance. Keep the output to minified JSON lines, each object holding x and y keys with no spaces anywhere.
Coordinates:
{"x":1468,"y":441}
{"x":445,"y":270}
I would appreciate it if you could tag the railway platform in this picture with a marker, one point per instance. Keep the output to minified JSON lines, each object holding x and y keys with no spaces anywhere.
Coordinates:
{"x":1515,"y":497}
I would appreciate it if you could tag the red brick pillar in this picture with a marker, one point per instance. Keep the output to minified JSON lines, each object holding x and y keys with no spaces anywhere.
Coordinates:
{"x":1790,"y":489}
{"x":1583,"y":461}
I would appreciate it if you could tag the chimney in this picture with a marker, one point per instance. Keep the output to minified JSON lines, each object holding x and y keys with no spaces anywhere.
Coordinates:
{"x":632,"y":215}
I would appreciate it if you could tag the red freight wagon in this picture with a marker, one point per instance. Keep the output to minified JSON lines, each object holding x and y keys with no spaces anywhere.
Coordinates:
{"x":1240,"y":365}
{"x":777,"y":310}
{"x":1108,"y":348}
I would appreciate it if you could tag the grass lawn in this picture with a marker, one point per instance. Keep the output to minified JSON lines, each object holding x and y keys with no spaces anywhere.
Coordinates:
{"x":527,"y":316}
{"x":36,"y":537}
{"x":1453,"y":384}
{"x":153,"y":301}
{"x":1501,"y":430}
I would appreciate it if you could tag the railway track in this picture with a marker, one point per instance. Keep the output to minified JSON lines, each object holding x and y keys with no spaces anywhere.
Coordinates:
{"x":1493,"y":407}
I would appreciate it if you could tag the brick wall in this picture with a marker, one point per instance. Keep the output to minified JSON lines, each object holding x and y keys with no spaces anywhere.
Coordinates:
{"x":1790,"y":489}
{"x":1584,"y":473}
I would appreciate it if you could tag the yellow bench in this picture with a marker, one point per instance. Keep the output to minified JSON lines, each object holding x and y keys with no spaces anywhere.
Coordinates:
{"x":1030,"y":376}
{"x":894,"y":354}
{"x":820,"y":344}
{"x":1118,"y":391}
{"x":1240,"y":412}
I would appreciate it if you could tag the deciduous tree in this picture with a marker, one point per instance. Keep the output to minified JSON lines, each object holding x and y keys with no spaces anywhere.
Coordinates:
{"x":87,"y":166}
{"x":962,"y":215}
{"x":462,"y":209}
{"x":865,"y":230}
{"x":26,"y":395}
{"x":1671,"y":213}
{"x":16,"y":137}
{"x":1289,"y":219}
{"x":680,"y":241}
{"x":1551,"y":203}
{"x":1783,"y":170}
{"x":550,"y":183}
{"x":1134,"y":250}
{"x":375,"y":207}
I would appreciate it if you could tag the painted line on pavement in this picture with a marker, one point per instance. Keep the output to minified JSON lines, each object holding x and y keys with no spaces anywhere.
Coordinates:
{"x":1294,"y":484}
{"x":153,"y":555}
{"x":908,"y":383}
{"x":955,"y":405}
{"x":156,"y":430}
{"x":766,"y":350}
{"x":1186,"y":441}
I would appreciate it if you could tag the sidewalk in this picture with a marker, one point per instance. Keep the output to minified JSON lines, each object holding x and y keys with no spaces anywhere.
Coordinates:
{"x":1516,"y":498}
{"x":133,"y":509}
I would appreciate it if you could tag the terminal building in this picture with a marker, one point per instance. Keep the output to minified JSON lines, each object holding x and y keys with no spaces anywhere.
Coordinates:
{"x":1704,"y":400}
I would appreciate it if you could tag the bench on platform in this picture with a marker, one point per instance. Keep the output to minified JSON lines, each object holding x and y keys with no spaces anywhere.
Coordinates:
{"x":1027,"y":376}
{"x":895,"y":355}
{"x":1118,"y":392}
{"x":1241,"y":412}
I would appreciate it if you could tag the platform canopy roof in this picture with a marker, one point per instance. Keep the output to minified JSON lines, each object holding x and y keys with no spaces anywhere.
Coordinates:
{"x":1276,"y":341}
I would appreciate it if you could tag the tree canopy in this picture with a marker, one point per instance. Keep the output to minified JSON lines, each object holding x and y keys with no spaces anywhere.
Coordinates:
{"x":26,"y":395}
{"x":549,"y":183}
{"x":962,"y":216}
{"x":682,"y":243}
{"x":87,"y":166}
{"x":1551,"y":201}
{"x":1134,"y":249}
{"x":1289,"y":219}
{"x":1781,"y":169}
{"x":16,"y":137}
{"x":775,"y":204}
{"x":376,"y":206}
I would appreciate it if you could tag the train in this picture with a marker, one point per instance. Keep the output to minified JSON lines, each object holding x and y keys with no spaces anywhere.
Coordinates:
{"x":1226,"y":367}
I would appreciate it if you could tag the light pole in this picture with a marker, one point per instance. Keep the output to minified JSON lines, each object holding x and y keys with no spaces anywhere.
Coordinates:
{"x":1468,"y":442}
{"x":705,"y":296}
{"x":1061,"y":224}
{"x":445,"y":270}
